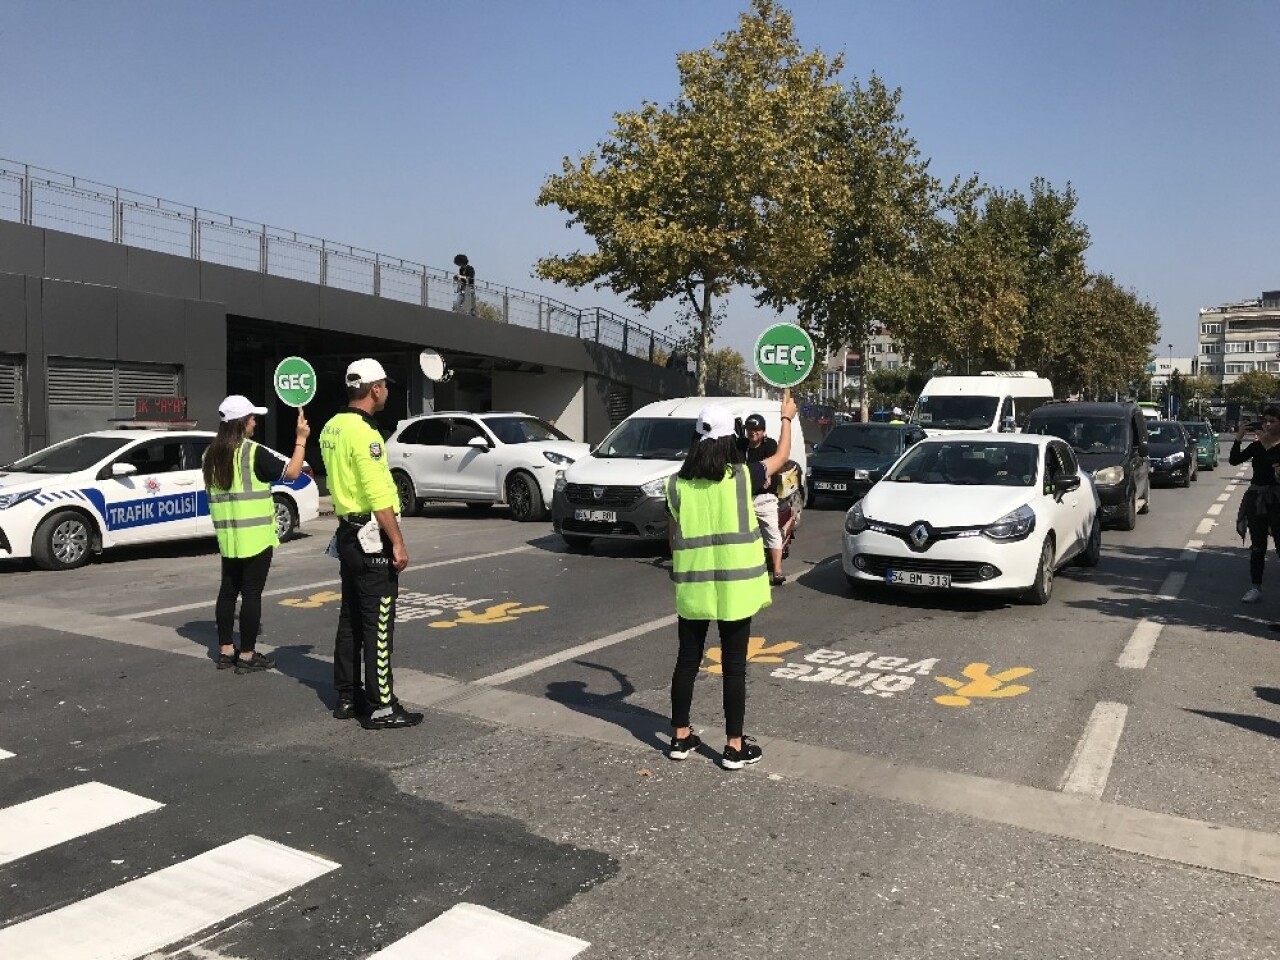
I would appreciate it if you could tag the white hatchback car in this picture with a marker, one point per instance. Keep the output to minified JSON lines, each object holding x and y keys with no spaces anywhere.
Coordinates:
{"x":480,"y":459}
{"x":115,"y":487}
{"x":978,"y":512}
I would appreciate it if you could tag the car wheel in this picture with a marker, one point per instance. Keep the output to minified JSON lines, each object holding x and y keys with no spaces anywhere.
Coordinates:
{"x":1129,"y":519}
{"x":479,"y":506}
{"x":286,"y":518}
{"x":524,"y":498}
{"x":1186,"y":478}
{"x":576,"y":542}
{"x":1042,"y":589}
{"x":63,"y":541}
{"x":1093,"y":549}
{"x":409,"y":503}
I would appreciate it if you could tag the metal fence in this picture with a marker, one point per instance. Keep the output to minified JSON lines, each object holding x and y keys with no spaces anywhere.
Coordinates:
{"x":45,"y":198}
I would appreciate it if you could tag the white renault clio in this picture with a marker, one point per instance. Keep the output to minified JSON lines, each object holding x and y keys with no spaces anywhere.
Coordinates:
{"x":981,"y":512}
{"x":115,"y":487}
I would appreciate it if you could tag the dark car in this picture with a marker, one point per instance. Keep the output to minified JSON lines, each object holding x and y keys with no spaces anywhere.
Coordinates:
{"x":1173,"y":453}
{"x":854,"y":456}
{"x":1110,"y":441}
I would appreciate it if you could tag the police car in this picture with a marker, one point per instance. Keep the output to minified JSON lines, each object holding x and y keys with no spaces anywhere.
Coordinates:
{"x":117,"y":487}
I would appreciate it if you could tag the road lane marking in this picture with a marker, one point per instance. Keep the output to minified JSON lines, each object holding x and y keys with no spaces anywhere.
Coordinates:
{"x":5,"y":754}
{"x":1142,"y":641}
{"x":1091,"y":764}
{"x":470,"y":932}
{"x":1191,"y":551}
{"x":296,"y":588}
{"x":1225,"y":497}
{"x":1206,"y":526}
{"x":1214,"y":510}
{"x":55,"y":818}
{"x":535,"y":666}
{"x":1172,"y":585}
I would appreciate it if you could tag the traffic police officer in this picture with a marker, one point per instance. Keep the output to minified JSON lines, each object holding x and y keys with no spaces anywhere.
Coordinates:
{"x":370,"y":549}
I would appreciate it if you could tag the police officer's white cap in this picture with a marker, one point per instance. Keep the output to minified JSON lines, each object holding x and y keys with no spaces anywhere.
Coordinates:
{"x":236,"y":407}
{"x":361,"y":373}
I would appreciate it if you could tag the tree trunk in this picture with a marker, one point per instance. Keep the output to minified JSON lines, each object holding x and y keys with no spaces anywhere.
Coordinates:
{"x":704,"y":339}
{"x":864,"y":409}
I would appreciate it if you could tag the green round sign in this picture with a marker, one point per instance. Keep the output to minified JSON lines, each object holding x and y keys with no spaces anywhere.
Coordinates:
{"x":295,"y":382}
{"x":784,"y":355}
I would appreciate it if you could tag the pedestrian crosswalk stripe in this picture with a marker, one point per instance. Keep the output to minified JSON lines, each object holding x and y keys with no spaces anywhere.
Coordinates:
{"x":27,"y":828}
{"x":470,"y":932}
{"x":165,"y":907}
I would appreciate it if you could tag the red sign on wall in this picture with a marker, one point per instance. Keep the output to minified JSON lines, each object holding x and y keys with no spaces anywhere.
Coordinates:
{"x":160,"y":408}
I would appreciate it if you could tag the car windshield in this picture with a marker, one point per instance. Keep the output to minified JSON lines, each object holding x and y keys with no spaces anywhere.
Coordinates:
{"x":69,"y":456}
{"x":969,"y":464}
{"x":860,"y":439}
{"x":522,"y":429}
{"x":658,"y":438}
{"x":1164,"y":433}
{"x":1198,"y":430}
{"x":1085,"y":434}
{"x":955,"y":413}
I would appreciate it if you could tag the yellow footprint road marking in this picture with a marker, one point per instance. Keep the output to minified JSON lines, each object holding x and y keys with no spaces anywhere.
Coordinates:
{"x":315,"y":600}
{"x":982,"y":685}
{"x":757,"y":652}
{"x":498,"y":613}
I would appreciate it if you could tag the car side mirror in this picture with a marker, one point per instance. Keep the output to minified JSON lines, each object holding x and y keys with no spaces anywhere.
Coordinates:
{"x":123,"y":469}
{"x":1067,"y":483}
{"x":480,"y":443}
{"x":1142,"y":448}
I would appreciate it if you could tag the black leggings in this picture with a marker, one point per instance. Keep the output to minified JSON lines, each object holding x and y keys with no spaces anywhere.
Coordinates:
{"x":733,"y":661}
{"x":244,"y":577}
{"x":1262,"y":527}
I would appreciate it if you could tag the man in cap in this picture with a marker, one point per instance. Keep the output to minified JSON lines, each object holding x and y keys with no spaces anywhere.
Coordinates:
{"x":899,"y":415}
{"x":757,"y":448}
{"x":371,"y":552}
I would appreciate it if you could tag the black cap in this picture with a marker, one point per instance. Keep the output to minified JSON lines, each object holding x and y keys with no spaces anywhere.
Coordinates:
{"x":754,"y":422}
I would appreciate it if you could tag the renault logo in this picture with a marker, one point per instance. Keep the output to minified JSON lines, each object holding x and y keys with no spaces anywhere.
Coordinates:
{"x":919,"y":535}
{"x":597,"y":492}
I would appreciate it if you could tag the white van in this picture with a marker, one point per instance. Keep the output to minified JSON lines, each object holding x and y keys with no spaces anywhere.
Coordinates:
{"x":995,"y":402}
{"x":618,"y":490}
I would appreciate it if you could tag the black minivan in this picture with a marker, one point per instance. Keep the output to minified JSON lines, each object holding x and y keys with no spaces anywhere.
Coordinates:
{"x":1110,"y":441}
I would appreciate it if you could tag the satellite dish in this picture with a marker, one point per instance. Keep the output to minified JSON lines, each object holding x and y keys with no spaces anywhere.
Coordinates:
{"x":432,"y":364}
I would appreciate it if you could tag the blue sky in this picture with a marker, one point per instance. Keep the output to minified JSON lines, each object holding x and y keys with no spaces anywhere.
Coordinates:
{"x":424,"y":129}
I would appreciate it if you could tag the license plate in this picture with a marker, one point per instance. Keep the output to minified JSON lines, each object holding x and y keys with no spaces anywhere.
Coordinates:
{"x":827,"y":485}
{"x":913,"y":578}
{"x":596,"y":516}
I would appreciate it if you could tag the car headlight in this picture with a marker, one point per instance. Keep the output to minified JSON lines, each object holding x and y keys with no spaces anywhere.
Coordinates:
{"x":855,"y":521}
{"x":1175,"y":457}
{"x":1015,"y":525}
{"x":8,"y":500}
{"x":1109,"y":475}
{"x":561,"y":482}
{"x":862,"y":474}
{"x":655,"y":488}
{"x":559,"y":459}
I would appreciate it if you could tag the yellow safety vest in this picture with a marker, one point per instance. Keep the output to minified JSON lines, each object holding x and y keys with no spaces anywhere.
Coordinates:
{"x":355,"y":463}
{"x":717,"y":555}
{"x":244,"y":517}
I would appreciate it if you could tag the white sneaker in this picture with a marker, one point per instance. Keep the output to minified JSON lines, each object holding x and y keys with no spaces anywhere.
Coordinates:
{"x":1253,"y":596}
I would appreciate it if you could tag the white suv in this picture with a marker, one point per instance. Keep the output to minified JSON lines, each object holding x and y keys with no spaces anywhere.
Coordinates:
{"x":480,"y":459}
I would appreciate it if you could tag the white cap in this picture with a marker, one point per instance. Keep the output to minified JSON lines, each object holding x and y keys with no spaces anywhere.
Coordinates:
{"x":898,"y":411}
{"x":361,"y":373}
{"x":236,"y":407}
{"x":715,"y":422}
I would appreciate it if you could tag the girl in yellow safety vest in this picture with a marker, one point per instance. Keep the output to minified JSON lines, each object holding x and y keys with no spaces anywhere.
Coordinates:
{"x":717,"y":563}
{"x":238,"y":474}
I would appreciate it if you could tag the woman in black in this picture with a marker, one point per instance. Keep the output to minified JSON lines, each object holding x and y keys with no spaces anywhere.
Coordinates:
{"x":1260,"y":507}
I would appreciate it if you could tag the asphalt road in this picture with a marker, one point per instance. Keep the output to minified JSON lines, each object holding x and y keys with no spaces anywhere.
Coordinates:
{"x":942,"y":774}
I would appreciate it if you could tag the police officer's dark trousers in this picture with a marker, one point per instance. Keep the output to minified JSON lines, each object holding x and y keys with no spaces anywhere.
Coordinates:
{"x":367,"y":619}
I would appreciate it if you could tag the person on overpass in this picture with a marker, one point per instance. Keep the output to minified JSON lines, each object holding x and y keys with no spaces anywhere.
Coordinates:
{"x":371,"y":552}
{"x":464,"y":286}
{"x":758,"y":446}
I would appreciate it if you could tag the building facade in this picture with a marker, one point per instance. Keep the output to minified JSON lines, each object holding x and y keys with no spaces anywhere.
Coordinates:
{"x":1238,"y":338}
{"x":845,"y":368}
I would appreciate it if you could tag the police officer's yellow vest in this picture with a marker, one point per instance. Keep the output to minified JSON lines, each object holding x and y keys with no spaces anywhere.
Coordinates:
{"x":244,"y":517}
{"x":717,"y":555}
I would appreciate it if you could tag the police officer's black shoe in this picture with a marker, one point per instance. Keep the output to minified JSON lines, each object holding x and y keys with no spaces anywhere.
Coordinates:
{"x":345,"y":710}
{"x":398,"y":717}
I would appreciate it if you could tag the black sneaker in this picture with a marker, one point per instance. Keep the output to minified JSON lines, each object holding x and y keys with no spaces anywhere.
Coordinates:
{"x":737,"y":759}
{"x":681,"y":747}
{"x":348,"y":709}
{"x":254,"y":663}
{"x":398,"y":717}
{"x":227,"y":660}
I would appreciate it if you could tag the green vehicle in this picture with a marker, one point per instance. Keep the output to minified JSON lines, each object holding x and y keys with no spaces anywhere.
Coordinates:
{"x":1206,"y":439}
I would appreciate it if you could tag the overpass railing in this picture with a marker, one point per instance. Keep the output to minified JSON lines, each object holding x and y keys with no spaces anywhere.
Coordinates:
{"x":45,"y":198}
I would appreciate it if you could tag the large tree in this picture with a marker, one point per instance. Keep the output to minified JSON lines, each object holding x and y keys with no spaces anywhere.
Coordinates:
{"x":727,"y":369}
{"x":688,"y":200}
{"x":1253,"y":389}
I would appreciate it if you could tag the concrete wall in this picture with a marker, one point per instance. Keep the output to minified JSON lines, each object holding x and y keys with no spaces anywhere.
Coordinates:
{"x":557,"y":397}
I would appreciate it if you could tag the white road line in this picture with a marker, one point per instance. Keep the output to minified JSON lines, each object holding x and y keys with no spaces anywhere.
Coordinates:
{"x":470,"y":932}
{"x":1214,"y":510}
{"x":1172,"y":585}
{"x":1091,"y":764}
{"x":1206,"y":526}
{"x":1141,"y":642}
{"x":1191,"y":551}
{"x":533,"y":666}
{"x":167,"y":906}
{"x":55,"y":818}
{"x":1224,"y":498}
{"x":144,"y":614}
{"x":5,"y":754}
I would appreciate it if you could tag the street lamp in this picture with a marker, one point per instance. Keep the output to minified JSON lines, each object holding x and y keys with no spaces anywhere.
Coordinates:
{"x":1168,"y":384}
